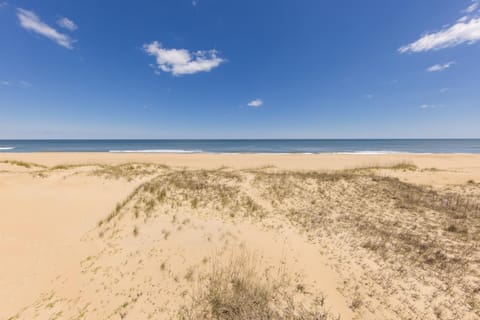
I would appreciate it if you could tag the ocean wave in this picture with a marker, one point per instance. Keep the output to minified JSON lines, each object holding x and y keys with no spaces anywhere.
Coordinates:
{"x":369,"y":152}
{"x":156,"y":151}
{"x":7,"y":148}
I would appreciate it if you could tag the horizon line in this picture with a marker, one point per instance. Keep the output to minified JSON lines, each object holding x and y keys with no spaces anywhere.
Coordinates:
{"x":220,"y":139}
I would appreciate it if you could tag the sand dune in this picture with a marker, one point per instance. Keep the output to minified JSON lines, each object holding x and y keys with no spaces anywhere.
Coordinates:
{"x":106,"y":236}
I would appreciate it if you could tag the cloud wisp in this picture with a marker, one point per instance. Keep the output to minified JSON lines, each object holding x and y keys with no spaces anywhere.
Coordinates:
{"x":181,"y":61}
{"x":30,"y":21}
{"x":440,"y":67}
{"x":67,"y":24}
{"x":21,"y":83}
{"x":465,"y":31}
{"x":255,"y":103}
{"x":429,"y":106}
{"x":472,"y":7}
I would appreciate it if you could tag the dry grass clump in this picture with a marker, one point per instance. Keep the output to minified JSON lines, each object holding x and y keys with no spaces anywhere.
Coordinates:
{"x":24,"y":164}
{"x":128,"y":171}
{"x":217,"y":190}
{"x":406,"y":166}
{"x":240,"y":290}
{"x":71,"y":166}
{"x":118,"y":208}
{"x":408,"y":195}
{"x":199,"y":189}
{"x":403,"y":166}
{"x":288,"y":188}
{"x":46,"y":171}
{"x":66,"y":166}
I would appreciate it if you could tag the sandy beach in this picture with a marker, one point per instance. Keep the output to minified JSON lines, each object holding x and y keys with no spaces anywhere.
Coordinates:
{"x":185,"y":236}
{"x":458,"y":166}
{"x":239,"y":160}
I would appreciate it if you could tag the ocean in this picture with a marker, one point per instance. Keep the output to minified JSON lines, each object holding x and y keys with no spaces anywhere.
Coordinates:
{"x":360,"y":146}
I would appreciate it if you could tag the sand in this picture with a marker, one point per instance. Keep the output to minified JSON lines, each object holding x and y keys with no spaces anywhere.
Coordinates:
{"x":464,"y":166}
{"x":100,"y":238}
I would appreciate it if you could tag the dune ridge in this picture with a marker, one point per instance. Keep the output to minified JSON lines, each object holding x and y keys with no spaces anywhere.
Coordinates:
{"x":155,"y":241}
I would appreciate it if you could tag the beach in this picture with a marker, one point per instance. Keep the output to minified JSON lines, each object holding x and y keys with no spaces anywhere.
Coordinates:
{"x":146,"y":235}
{"x":455,"y":164}
{"x":239,"y":160}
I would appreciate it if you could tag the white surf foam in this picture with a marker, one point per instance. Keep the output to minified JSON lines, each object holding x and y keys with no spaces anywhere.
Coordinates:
{"x":369,"y":152}
{"x":7,"y":148}
{"x":155,"y":151}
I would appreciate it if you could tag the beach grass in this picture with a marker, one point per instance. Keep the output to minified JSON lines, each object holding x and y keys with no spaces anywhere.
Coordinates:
{"x":23,"y":164}
{"x":239,"y":289}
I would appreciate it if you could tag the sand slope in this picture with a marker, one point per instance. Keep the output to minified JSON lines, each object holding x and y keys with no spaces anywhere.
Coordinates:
{"x":147,"y":241}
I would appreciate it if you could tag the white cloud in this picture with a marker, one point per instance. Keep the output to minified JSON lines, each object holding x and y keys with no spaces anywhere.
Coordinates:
{"x":67,"y":24}
{"x":30,"y":21}
{"x":369,"y":96}
{"x":181,"y":61}
{"x":440,"y":67}
{"x":195,"y":2}
{"x":471,"y":8}
{"x":429,"y":106}
{"x":465,"y":31}
{"x":255,"y":103}
{"x":5,"y":83}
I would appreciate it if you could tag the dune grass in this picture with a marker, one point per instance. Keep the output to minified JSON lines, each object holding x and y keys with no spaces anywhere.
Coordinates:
{"x":402,"y":166}
{"x":239,"y":289}
{"x":23,"y":164}
{"x":129,"y":171}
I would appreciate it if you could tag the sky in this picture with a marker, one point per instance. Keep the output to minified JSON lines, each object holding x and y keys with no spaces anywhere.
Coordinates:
{"x":213,"y":69}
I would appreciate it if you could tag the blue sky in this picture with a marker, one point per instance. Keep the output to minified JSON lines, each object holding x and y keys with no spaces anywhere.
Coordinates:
{"x":239,"y":69}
